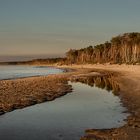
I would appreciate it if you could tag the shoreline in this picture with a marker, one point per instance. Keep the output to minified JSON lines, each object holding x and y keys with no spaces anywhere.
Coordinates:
{"x":26,"y":91}
{"x":127,"y":76}
{"x":129,"y":83}
{"x":64,"y":70}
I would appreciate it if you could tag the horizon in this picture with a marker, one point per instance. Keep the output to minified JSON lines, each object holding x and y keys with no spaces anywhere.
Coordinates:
{"x":17,"y":58}
{"x":49,"y":28}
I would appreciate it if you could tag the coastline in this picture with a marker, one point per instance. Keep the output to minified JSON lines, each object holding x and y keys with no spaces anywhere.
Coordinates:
{"x":128,"y":77}
{"x":129,"y":82}
{"x":41,"y":90}
{"x":22,"y":92}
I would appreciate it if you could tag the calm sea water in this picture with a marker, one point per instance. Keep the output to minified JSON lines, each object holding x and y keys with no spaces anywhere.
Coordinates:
{"x":11,"y":72}
{"x":65,"y":118}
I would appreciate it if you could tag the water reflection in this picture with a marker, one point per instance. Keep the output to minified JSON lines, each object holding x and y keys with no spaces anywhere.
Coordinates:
{"x":101,"y":81}
{"x":68,"y":117}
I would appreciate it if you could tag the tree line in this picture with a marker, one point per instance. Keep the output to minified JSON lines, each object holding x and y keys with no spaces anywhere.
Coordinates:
{"x":124,"y":48}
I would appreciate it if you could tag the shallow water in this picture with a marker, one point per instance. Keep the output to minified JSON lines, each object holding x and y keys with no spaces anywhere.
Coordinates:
{"x":65,"y":118}
{"x":12,"y":72}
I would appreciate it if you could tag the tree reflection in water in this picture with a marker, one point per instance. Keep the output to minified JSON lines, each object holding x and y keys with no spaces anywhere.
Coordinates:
{"x":107,"y":82}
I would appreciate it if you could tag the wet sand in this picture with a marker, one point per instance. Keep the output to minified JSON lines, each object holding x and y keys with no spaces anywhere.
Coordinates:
{"x":19,"y":93}
{"x":128,"y":78}
{"x":23,"y":92}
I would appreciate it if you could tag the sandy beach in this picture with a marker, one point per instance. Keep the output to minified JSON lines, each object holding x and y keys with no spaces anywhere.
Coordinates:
{"x":129,"y":83}
{"x":19,"y":93}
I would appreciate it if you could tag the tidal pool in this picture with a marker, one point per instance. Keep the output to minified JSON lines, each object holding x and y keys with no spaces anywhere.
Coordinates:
{"x":65,"y":118}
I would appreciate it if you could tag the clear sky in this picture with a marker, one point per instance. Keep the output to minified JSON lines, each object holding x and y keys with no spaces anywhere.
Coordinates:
{"x":51,"y":27}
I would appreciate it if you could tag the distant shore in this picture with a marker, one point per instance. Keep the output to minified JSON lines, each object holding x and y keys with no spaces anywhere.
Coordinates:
{"x":19,"y":93}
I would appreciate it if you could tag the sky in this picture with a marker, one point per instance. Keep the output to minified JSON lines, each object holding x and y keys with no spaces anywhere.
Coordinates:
{"x":49,"y":28}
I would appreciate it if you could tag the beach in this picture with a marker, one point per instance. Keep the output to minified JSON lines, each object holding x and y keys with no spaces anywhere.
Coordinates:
{"x":19,"y":93}
{"x":129,"y":83}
